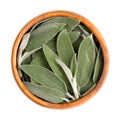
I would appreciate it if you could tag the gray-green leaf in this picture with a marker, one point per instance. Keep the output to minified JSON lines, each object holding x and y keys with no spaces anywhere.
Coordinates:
{"x":65,"y":69}
{"x":46,"y":93}
{"x":27,"y":60}
{"x":43,"y":34}
{"x":77,"y":43}
{"x":26,"y":55}
{"x":71,"y":23}
{"x":83,"y":30}
{"x":74,"y":65}
{"x":98,"y":67}
{"x":24,"y":42}
{"x":70,"y":77}
{"x":39,"y":59}
{"x":74,"y":35}
{"x":86,"y":57}
{"x":44,"y":76}
{"x":22,"y":46}
{"x":52,"y":45}
{"x":87,"y":87}
{"x":64,"y":47}
{"x":51,"y":57}
{"x":32,"y":81}
{"x":38,"y":24}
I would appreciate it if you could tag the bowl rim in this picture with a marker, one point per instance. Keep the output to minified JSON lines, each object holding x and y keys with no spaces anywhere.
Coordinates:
{"x":97,"y":34}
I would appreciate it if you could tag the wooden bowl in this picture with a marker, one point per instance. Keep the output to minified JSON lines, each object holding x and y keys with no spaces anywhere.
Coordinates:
{"x":87,"y":23}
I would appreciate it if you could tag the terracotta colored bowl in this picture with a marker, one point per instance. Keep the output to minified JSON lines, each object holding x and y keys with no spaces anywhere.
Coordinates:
{"x":87,"y":23}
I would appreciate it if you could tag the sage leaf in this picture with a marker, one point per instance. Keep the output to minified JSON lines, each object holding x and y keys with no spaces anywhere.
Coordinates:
{"x":98,"y":67}
{"x":71,"y":23}
{"x":26,"y":55}
{"x":46,"y":93}
{"x":39,"y":59}
{"x":86,"y":57}
{"x":89,"y":90}
{"x":51,"y":57}
{"x":65,"y":69}
{"x":71,"y":79}
{"x":52,"y":45}
{"x":22,"y":46}
{"x":77,"y":43}
{"x":32,"y":81}
{"x":74,"y":35}
{"x":83,"y":30}
{"x":87,"y":87}
{"x":27,"y":60}
{"x":74,"y":65}
{"x":38,"y":24}
{"x":64,"y":47}
{"x":45,"y":77}
{"x":24,"y":42}
{"x":43,"y":34}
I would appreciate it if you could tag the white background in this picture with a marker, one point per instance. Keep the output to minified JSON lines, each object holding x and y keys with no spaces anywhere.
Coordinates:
{"x":14,"y":14}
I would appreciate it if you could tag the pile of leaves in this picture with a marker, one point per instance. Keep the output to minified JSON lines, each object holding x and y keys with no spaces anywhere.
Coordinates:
{"x":60,"y":60}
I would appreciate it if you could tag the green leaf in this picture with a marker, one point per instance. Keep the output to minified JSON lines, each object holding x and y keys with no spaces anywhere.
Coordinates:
{"x":44,"y":76}
{"x":46,"y":93}
{"x":26,"y":55}
{"x":98,"y":67}
{"x":74,"y":35}
{"x":24,"y":42}
{"x":86,"y":57}
{"x":22,"y":46}
{"x":70,"y":77}
{"x":39,"y":59}
{"x":71,"y":23}
{"x":64,"y":47}
{"x":43,"y":34}
{"x":74,"y":65}
{"x":83,"y":29}
{"x":87,"y":87}
{"x":52,"y":45}
{"x":51,"y":57}
{"x":32,"y":81}
{"x":77,"y":43}
{"x":27,"y":60}
{"x":38,"y":24}
{"x":65,"y":69}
